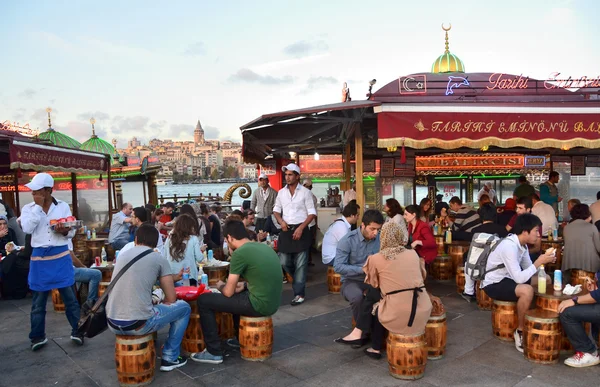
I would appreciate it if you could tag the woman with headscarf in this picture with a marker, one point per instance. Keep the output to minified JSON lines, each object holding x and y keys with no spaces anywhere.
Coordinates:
{"x":397,"y":297}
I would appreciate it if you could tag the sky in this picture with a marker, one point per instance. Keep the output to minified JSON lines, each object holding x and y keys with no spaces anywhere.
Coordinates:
{"x":151,"y":69}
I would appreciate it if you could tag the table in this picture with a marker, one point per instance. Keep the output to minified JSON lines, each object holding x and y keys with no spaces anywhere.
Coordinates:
{"x":95,"y":247}
{"x":558,"y":245}
{"x":457,"y":249}
{"x":107,"y":272}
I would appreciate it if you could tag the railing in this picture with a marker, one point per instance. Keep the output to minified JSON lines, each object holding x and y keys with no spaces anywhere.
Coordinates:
{"x":201,"y":197}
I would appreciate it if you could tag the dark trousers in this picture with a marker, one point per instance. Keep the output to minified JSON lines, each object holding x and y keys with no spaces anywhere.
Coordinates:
{"x":572,"y":320}
{"x":208,"y":304}
{"x":366,"y":322}
{"x":353,"y":292}
{"x":259,"y":224}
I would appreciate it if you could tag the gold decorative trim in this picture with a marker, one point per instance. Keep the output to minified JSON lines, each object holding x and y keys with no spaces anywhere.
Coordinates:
{"x":488,"y":141}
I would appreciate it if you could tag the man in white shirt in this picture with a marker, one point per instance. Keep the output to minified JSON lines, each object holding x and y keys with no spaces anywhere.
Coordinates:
{"x":510,"y":269}
{"x":294,"y":210}
{"x":118,"y":236}
{"x":50,"y":266}
{"x":546,"y":214}
{"x":337,"y":230}
{"x":487,"y":190}
{"x":350,"y":194}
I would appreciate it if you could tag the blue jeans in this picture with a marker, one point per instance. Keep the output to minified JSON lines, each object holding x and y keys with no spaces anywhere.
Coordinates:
{"x":90,"y":276}
{"x":38,"y":311}
{"x":295,"y":264}
{"x":177,"y":314}
{"x":572,"y":320}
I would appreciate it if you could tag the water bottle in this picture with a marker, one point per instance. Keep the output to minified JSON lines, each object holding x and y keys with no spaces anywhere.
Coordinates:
{"x":104,"y":258}
{"x":117,"y":255}
{"x":448,"y":236}
{"x":557,"y":280}
{"x":268,"y":239}
{"x":204,"y":280}
{"x":205,"y":254}
{"x":225,"y":248}
{"x":88,"y":235}
{"x":555,"y":234}
{"x":186,"y":276}
{"x":542,"y":280}
{"x":435,"y":229}
{"x":93,"y":233}
{"x":210,"y":256}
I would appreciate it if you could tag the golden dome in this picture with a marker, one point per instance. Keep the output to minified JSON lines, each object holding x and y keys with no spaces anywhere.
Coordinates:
{"x":447,"y":62}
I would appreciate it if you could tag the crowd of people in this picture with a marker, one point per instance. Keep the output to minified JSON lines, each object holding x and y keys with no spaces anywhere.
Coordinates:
{"x":383,"y":261}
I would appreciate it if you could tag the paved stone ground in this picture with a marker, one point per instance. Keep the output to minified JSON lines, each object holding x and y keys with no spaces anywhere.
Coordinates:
{"x":304,"y":353}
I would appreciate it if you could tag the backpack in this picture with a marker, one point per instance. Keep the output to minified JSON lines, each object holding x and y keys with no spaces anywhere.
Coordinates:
{"x":481,"y":247}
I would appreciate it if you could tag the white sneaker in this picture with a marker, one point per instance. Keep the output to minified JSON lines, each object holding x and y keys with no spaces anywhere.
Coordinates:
{"x":518,"y":340}
{"x":297,"y":300}
{"x":581,"y":359}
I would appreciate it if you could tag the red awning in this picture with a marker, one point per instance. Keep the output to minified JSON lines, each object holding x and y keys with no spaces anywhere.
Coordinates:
{"x":39,"y":157}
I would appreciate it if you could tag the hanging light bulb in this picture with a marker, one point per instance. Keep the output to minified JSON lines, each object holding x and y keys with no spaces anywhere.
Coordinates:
{"x":317,"y":157}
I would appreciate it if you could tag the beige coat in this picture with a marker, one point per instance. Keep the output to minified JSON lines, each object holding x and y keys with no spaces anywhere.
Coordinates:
{"x":401,"y":273}
{"x":582,"y":246}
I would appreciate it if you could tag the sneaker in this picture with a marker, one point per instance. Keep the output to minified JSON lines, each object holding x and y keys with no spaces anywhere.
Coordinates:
{"x":167,"y":366}
{"x":297,"y":300}
{"x":581,"y":359}
{"x":285,"y":281}
{"x":468,"y":297}
{"x":38,"y":343}
{"x":518,"y":335}
{"x":233,"y":342}
{"x":77,"y":339}
{"x":206,"y":357}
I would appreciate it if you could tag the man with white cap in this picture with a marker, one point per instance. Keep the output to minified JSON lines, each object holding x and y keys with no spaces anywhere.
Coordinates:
{"x":263,"y":202}
{"x":51,"y":266}
{"x":294,"y":210}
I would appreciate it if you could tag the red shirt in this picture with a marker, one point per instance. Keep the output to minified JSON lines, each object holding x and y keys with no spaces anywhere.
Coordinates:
{"x":423,"y":233}
{"x":164,"y":220}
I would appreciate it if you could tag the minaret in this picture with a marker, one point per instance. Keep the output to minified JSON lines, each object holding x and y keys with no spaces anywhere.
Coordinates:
{"x":199,"y":134}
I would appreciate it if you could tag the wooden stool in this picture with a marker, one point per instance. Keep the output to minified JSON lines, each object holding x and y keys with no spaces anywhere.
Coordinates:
{"x":504,"y":320}
{"x":57,"y":301}
{"x":541,"y":336}
{"x":256,"y":338}
{"x":216,"y":274}
{"x":441,"y":268}
{"x":135,"y":357}
{"x":102,"y":288}
{"x":334,"y":281}
{"x":193,"y":339}
{"x":484,"y":302}
{"x":439,"y":241}
{"x":460,"y":279}
{"x":457,"y":251}
{"x":224,"y":325}
{"x":435,"y":334}
{"x":578,"y":277}
{"x":407,"y":355}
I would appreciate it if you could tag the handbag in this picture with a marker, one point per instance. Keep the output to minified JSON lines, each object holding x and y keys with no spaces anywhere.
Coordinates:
{"x":93,"y":315}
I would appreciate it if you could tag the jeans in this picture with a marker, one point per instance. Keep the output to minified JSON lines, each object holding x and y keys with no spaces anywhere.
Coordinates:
{"x":353,"y":293}
{"x":90,"y":276}
{"x":572,"y":320}
{"x":176,"y":314}
{"x":38,"y":311}
{"x":208,"y":304}
{"x":118,"y":244}
{"x":295,"y":264}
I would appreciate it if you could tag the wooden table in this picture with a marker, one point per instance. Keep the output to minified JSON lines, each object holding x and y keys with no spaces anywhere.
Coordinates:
{"x":558,"y":245}
{"x":95,"y":247}
{"x":457,"y":249}
{"x":107,"y":272}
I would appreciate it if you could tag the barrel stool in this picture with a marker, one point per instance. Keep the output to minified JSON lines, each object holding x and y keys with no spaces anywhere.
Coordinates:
{"x":578,"y":277}
{"x":435,"y":334}
{"x":484,"y":302}
{"x":439,"y":241}
{"x":457,"y":252}
{"x":102,"y":286}
{"x":135,"y":358}
{"x":441,"y":268}
{"x":334,"y":281}
{"x":541,"y":336}
{"x":193,"y":339}
{"x":407,"y":355}
{"x":504,"y":320}
{"x":460,"y":279}
{"x":57,"y":301}
{"x":256,"y":338}
{"x":224,"y":325}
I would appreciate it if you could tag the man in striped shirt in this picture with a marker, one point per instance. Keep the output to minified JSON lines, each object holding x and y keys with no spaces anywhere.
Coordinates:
{"x":466,"y":218}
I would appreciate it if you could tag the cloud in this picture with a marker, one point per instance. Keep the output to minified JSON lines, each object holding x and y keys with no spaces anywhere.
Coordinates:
{"x":158,"y":125}
{"x":28,"y":93}
{"x":195,"y":49}
{"x":305,"y":47}
{"x":247,"y":75}
{"x":179,"y":131}
{"x":39,"y":118}
{"x":99,"y":116}
{"x":211,"y":133}
{"x":82,"y":131}
{"x":318,"y":82}
{"x":280,"y":64}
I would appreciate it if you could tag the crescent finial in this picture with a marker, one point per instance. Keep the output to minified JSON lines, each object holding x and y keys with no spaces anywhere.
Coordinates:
{"x":447,"y":29}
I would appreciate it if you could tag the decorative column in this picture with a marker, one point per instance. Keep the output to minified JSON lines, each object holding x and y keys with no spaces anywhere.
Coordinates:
{"x":358,"y":157}
{"x":152,"y":190}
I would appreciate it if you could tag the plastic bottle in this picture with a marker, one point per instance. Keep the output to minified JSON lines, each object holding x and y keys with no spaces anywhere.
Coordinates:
{"x":268,"y":239}
{"x":186,"y":276}
{"x":542,"y":280}
{"x":205,"y":254}
{"x":116,"y":255}
{"x":557,"y":280}
{"x":435,"y":229}
{"x":204,"y":280}
{"x":88,"y":235}
{"x":93,"y":233}
{"x":225,"y":248}
{"x":210,"y":256}
{"x":448,"y":236}
{"x":104,"y":258}
{"x":550,"y":234}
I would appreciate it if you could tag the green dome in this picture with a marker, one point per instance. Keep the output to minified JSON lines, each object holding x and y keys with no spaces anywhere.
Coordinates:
{"x":96,"y":144}
{"x":59,"y":139}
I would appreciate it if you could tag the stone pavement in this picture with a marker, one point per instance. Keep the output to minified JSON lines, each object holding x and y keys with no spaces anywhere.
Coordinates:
{"x":304,"y":353}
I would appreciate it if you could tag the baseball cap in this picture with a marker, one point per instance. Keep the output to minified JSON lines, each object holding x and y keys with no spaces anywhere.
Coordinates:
{"x":291,"y":167}
{"x":39,"y":181}
{"x":262,"y":176}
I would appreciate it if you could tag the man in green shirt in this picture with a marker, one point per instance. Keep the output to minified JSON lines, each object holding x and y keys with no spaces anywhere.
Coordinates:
{"x":523,"y":189}
{"x":259,"y":296}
